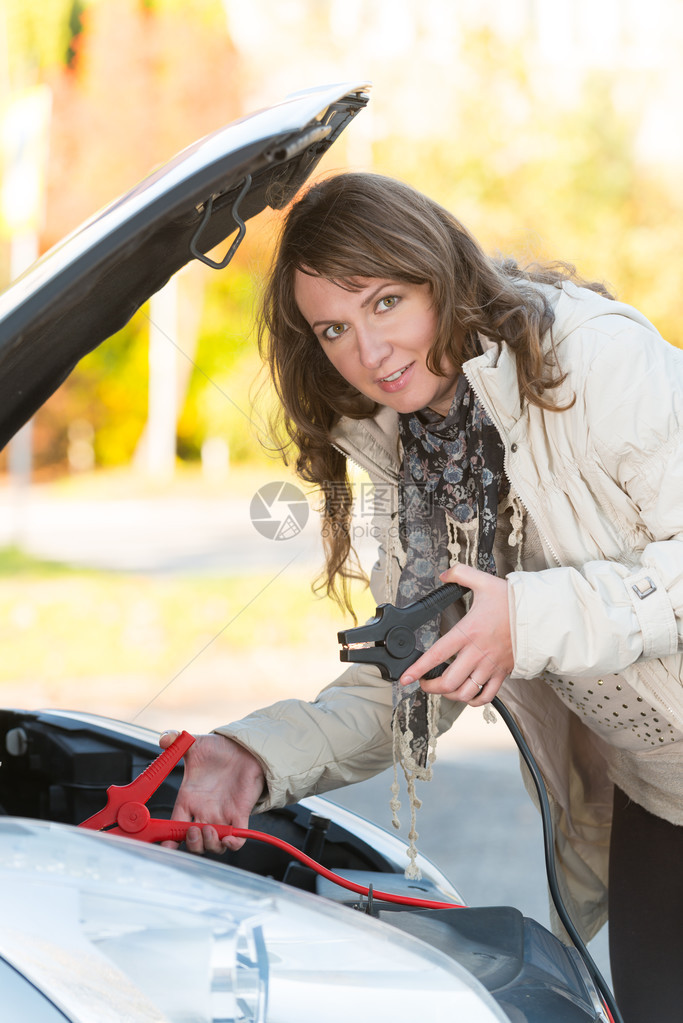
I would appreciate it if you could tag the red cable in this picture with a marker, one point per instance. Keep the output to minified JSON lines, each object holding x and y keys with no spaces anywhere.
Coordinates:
{"x":360,"y":889}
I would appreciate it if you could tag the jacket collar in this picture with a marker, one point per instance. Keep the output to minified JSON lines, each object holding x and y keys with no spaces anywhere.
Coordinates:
{"x":372,"y":443}
{"x":493,"y":376}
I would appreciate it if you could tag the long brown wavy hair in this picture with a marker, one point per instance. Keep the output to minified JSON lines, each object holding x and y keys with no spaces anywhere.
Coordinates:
{"x":361,"y":225}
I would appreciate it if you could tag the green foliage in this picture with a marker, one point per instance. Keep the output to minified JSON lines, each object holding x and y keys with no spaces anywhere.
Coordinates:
{"x":39,"y":34}
{"x":15,"y":562}
{"x":44,"y":34}
{"x":108,"y":390}
{"x":219,"y":398}
{"x":104,"y":138}
{"x":57,"y":622}
{"x":75,"y":29}
{"x":208,"y":12}
{"x":542,"y":179}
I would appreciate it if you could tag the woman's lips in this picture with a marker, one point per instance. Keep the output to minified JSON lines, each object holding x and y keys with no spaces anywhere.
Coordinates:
{"x":395,"y":383}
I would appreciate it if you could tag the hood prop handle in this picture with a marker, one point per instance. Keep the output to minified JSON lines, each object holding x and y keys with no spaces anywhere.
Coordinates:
{"x":241,"y":229}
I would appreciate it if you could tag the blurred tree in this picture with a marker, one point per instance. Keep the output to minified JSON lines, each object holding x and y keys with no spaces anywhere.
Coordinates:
{"x":531,"y":173}
{"x":75,"y":28}
{"x":39,"y":34}
{"x":138,"y":81}
{"x":108,"y":391}
{"x":539,"y":179}
{"x":218,"y":402}
{"x":145,"y":79}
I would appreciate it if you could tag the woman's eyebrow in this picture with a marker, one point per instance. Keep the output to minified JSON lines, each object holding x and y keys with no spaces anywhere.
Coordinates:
{"x":373,"y":294}
{"x":366,"y":302}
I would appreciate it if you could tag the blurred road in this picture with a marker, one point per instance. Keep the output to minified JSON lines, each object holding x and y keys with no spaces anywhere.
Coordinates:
{"x":175,"y":534}
{"x":476,"y":823}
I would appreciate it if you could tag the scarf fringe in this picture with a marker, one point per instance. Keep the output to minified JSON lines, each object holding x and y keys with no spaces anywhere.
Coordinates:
{"x":459,"y":535}
{"x":412,"y":772}
{"x":516,"y":537}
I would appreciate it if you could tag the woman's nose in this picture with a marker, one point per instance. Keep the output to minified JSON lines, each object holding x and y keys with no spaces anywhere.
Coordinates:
{"x":373,"y":347}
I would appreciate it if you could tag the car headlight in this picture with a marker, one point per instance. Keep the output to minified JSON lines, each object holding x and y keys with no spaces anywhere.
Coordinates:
{"x":111,"y":929}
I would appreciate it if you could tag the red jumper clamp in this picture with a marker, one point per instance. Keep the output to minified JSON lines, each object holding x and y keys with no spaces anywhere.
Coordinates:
{"x":126,"y":813}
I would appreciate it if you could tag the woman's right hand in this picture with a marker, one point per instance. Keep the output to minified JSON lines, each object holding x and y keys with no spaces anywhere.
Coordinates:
{"x":221,"y":785}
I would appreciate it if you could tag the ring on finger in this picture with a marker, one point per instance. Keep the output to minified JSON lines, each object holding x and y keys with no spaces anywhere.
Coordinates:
{"x":471,"y":678}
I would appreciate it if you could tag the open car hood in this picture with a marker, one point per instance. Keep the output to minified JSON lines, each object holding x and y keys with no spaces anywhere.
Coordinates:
{"x":89,"y":285}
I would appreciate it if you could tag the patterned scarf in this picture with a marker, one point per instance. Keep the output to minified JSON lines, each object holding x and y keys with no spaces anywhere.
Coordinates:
{"x":453,"y":474}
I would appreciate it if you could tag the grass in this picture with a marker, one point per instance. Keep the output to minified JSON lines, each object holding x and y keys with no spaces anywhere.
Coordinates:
{"x":15,"y":562}
{"x":56,"y":620}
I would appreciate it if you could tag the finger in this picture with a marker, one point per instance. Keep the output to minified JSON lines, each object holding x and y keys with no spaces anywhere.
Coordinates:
{"x":169,"y":844}
{"x":446,"y":647}
{"x":214,"y":844}
{"x":179,"y":813}
{"x":167,"y":738}
{"x":472,"y":689}
{"x":197,"y":839}
{"x":489,"y":691}
{"x":207,"y":840}
{"x":455,"y":673}
{"x":232,"y":842}
{"x":454,"y":687}
{"x":465,"y":575}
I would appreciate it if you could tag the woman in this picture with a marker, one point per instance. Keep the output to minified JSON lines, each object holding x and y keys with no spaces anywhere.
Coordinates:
{"x":525,"y":430}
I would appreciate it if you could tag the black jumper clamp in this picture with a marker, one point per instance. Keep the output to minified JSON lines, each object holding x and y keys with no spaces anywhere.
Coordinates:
{"x":391,"y":634}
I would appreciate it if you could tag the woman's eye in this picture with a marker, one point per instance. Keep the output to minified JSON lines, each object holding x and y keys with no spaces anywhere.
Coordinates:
{"x":388,"y":302}
{"x":333,"y":331}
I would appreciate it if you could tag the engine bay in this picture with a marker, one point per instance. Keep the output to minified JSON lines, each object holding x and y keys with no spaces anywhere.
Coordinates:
{"x":57,"y":767}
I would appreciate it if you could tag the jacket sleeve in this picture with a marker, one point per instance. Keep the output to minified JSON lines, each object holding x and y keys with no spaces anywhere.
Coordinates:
{"x":342,"y":737}
{"x":605,"y":615}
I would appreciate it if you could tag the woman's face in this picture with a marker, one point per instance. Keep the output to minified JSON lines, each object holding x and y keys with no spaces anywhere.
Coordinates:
{"x":378,"y":338}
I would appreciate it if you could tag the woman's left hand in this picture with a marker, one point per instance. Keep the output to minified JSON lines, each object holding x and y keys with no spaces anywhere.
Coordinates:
{"x":480,"y":641}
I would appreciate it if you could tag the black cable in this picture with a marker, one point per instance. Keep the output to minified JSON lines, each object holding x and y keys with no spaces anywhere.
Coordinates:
{"x":548,"y":846}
